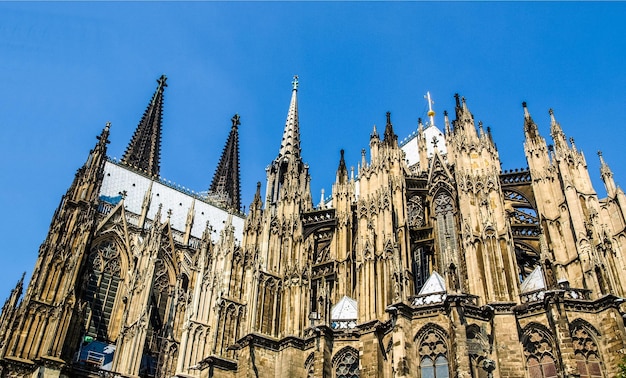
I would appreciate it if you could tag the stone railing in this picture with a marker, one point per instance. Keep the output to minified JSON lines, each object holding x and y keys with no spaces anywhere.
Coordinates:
{"x":427,"y":299}
{"x":343,"y":324}
{"x":568,"y":293}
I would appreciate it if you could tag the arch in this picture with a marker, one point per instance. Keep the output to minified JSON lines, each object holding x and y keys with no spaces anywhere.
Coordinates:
{"x":586,"y":351}
{"x":309,"y":367}
{"x":104,"y":274}
{"x":527,"y":258}
{"x":432,"y":349}
{"x":539,"y":351}
{"x":346,"y":363}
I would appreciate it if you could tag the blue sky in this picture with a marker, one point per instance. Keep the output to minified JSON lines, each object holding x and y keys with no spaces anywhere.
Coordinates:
{"x":68,"y":67}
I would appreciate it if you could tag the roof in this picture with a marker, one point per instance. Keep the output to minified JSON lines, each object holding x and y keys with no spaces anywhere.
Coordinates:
{"x":434,"y":284}
{"x":345,"y":309}
{"x":118,"y":178}
{"x":534,"y":281}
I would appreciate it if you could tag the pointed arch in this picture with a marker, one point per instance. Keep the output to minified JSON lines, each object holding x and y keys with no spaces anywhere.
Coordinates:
{"x":104,"y":273}
{"x":432,"y":349}
{"x":346,"y":363}
{"x":586,"y":352}
{"x":539,"y":351}
{"x":309,"y":366}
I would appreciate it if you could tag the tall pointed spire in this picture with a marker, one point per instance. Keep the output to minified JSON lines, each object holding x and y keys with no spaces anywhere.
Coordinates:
{"x":225,"y":182}
{"x":290,"y":145}
{"x":144,"y":150}
{"x":607,"y":176}
{"x":342,"y":170}
{"x":389,"y":137}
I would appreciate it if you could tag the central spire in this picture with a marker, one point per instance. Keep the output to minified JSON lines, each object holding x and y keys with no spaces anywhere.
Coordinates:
{"x":290,"y":145}
{"x":144,"y":150}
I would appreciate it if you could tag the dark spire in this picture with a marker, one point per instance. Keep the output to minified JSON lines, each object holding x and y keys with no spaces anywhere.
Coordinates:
{"x":290,"y":145}
{"x":530,"y":128}
{"x":389,"y":135}
{"x":226,"y":179}
{"x":144,"y":150}
{"x":342,"y":170}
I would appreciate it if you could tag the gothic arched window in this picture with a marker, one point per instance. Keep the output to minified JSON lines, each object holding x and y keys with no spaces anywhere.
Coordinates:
{"x":586,"y":353}
{"x":102,"y":286}
{"x":539,"y":352}
{"x":309,"y":366}
{"x":446,"y":229}
{"x":346,"y":363}
{"x":433,"y":354}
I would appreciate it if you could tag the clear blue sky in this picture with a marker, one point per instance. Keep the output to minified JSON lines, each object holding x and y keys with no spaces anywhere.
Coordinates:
{"x":66,"y":68}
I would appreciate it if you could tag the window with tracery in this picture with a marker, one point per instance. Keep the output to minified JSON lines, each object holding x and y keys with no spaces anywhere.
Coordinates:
{"x":346,"y":363}
{"x":446,"y":229}
{"x":309,"y":367}
{"x":539,"y":352}
{"x":158,"y":302}
{"x":433,"y":352}
{"x":415,"y":209}
{"x":586,"y":353}
{"x":102,"y":285}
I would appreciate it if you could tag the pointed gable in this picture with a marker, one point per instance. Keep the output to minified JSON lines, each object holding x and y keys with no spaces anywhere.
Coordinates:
{"x":434,"y":284}
{"x":534,"y":281}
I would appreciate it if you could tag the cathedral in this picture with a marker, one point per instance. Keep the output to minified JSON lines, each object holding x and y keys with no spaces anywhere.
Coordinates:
{"x":427,"y":260}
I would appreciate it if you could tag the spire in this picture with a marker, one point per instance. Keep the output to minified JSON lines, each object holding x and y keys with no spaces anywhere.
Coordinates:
{"x":446,"y":121}
{"x":389,"y":136}
{"x":290,"y":145}
{"x":607,"y":177}
{"x":374,"y":133}
{"x":144,"y":150}
{"x":530,"y":128}
{"x":225,"y":182}
{"x":342,"y":170}
{"x":556,"y":132}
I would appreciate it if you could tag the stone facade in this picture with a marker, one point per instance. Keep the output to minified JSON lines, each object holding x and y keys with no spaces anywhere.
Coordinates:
{"x":430,"y":261}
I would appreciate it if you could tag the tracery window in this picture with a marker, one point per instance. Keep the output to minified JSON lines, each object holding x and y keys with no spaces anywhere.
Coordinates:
{"x":158,"y":302}
{"x":586,"y":353}
{"x":433,"y":352}
{"x":102,"y":285}
{"x":539,"y":352}
{"x":415,"y":209}
{"x":446,"y":230}
{"x":346,"y":363}
{"x":309,"y":366}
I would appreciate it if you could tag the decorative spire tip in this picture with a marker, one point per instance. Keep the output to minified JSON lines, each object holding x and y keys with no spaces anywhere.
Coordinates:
{"x":295,"y":82}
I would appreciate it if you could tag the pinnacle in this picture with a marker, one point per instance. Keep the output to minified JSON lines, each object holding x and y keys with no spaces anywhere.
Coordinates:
{"x":144,"y":149}
{"x":290,"y":145}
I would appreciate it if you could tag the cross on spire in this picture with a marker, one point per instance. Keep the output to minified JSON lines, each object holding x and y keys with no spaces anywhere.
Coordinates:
{"x":295,"y":82}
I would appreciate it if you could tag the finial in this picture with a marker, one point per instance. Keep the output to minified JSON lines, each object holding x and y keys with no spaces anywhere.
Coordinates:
{"x":435,"y":141}
{"x":295,"y":82}
{"x":456,"y":98}
{"x":389,"y":118}
{"x":107,"y":126}
{"x":600,"y":154}
{"x":162,"y":81}
{"x":235,"y":120}
{"x":526,"y":113}
{"x":431,"y":112}
{"x":552,"y":118}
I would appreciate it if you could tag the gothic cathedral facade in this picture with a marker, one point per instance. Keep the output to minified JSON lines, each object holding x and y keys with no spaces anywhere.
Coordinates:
{"x":429,"y":261}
